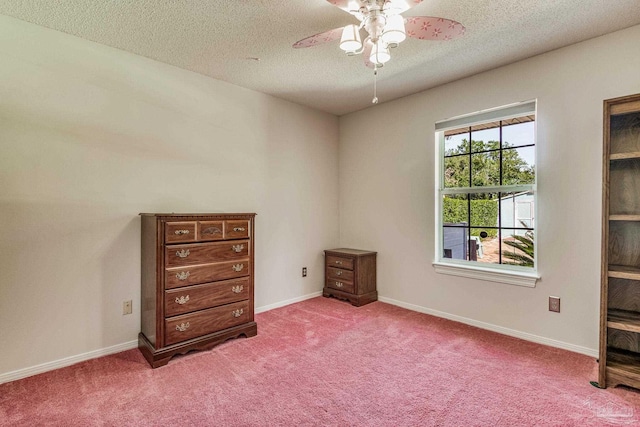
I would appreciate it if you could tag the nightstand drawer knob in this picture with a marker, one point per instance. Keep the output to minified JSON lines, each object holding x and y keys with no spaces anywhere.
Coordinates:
{"x":237,"y":289}
{"x":183,"y":275}
{"x":339,"y":284}
{"x":237,"y":313}
{"x":183,"y":253}
{"x":237,"y":267}
{"x":237,"y":248}
{"x":182,"y":299}
{"x":182,"y":232}
{"x":238,"y":229}
{"x":182,"y":327}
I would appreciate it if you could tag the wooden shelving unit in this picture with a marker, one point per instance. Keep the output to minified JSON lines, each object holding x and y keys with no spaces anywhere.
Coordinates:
{"x":620,"y":289}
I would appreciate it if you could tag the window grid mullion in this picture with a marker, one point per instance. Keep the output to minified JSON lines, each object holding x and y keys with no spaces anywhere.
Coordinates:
{"x":500,"y":204}
{"x":469,"y":198}
{"x":489,"y":151}
{"x":521,"y":188}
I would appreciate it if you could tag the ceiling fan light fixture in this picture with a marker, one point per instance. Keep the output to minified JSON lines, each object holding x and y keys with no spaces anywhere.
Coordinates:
{"x":350,"y":41}
{"x":394,"y":32}
{"x":385,"y":28}
{"x":380,"y":53}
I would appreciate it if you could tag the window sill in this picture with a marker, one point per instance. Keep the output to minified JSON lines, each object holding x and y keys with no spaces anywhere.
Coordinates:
{"x":510,"y":277}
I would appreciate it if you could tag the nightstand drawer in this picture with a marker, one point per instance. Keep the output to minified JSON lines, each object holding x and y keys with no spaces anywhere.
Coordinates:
{"x":184,"y":276}
{"x":340,"y":285}
{"x":183,"y":231}
{"x":339,"y":262}
{"x":199,"y":297}
{"x":339,"y":274}
{"x":187,"y":326}
{"x":201,"y":253}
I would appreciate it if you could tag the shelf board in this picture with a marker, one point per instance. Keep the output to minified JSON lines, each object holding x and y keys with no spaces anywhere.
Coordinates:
{"x":623,"y":320}
{"x":624,"y":366}
{"x":624,"y":217}
{"x":625,"y":107}
{"x":624,"y":156}
{"x":624,"y":272}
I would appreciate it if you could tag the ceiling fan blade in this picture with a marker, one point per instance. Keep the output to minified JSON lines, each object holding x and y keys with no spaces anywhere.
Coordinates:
{"x":324,"y":37}
{"x":399,"y":6}
{"x":344,"y":4}
{"x":432,"y":28}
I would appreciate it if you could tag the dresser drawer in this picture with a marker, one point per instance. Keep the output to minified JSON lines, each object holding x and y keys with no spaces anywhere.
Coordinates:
{"x":341,"y":285}
{"x":187,"y":326}
{"x":198,"y":297}
{"x":210,"y":230}
{"x":182,"y":231}
{"x":201,"y":253}
{"x":335,"y":261}
{"x":236,"y":229}
{"x":183,"y":276}
{"x":339,"y":274}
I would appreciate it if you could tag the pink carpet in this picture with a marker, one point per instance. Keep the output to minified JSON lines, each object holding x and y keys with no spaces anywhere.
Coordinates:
{"x":324,"y":362}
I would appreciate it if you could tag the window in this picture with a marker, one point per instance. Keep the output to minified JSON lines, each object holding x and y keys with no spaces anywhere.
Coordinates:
{"x":486,"y":222}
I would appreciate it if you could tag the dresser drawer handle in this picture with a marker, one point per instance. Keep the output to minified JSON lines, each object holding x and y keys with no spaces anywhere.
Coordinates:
{"x":238,"y":228}
{"x":182,"y":299}
{"x":181,"y":232}
{"x":339,"y":273}
{"x":183,"y":275}
{"x":237,"y":289}
{"x":237,"y":313}
{"x":237,"y":267}
{"x":237,"y":248}
{"x":339,"y":284}
{"x":182,"y":327}
{"x":339,"y":262}
{"x":212,"y":230}
{"x":183,"y":253}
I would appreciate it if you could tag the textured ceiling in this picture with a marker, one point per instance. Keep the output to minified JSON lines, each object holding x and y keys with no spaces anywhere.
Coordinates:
{"x":218,"y":38}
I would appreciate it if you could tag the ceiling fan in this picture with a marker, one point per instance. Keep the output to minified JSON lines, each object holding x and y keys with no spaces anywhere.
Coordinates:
{"x":385,"y":29}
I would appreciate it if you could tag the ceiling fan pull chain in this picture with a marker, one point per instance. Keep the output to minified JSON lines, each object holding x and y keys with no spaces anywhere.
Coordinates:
{"x":375,"y":85}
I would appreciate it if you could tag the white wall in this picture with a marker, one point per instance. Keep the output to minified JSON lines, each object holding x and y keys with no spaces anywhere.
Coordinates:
{"x":90,"y":136}
{"x":387,"y":186}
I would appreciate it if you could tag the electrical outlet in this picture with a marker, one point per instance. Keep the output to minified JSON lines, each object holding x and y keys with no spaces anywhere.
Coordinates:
{"x":554,"y":304}
{"x":304,"y":271}
{"x":126,"y":307}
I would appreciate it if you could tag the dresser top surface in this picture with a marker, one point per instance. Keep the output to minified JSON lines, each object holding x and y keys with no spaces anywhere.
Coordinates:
{"x":348,"y":251}
{"x":192,"y":215}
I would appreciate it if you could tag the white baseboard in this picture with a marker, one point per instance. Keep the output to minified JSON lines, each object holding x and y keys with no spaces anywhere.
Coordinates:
{"x":287,"y":302}
{"x":67,"y":361}
{"x":495,"y":328}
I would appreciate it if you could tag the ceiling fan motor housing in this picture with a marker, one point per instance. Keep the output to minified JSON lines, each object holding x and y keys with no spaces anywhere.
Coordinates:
{"x":374,"y":23}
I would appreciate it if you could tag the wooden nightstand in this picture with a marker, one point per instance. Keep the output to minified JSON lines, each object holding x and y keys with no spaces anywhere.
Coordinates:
{"x":350,"y":274}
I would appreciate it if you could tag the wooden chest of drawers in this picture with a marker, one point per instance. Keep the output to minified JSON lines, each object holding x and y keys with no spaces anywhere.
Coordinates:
{"x":350,"y":274}
{"x":197,"y":282}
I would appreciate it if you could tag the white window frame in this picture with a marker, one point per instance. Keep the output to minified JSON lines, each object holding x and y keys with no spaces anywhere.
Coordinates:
{"x":502,"y":273}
